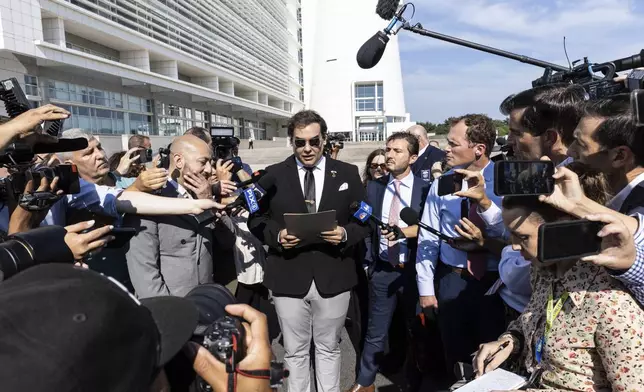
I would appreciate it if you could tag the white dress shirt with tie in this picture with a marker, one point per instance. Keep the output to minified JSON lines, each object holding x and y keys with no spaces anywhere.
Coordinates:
{"x":318,"y":174}
{"x":406,"y":187}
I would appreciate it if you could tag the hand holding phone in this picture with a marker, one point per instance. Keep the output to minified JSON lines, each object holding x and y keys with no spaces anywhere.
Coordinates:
{"x":568,"y":240}
{"x":450,"y":183}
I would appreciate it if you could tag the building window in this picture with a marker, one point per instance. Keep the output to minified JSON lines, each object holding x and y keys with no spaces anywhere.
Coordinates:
{"x":174,"y":119}
{"x":31,"y":85}
{"x":300,"y":56}
{"x":96,"y":121}
{"x":302,"y":95}
{"x":299,"y":15}
{"x":299,"y":36}
{"x":369,"y":97}
{"x":301,"y":77}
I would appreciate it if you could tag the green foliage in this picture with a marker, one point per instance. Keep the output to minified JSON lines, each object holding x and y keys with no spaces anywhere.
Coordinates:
{"x":443,"y":128}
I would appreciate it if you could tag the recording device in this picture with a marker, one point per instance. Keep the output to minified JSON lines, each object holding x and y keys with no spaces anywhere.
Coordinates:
{"x":122,"y":237}
{"x":410,"y":217}
{"x":584,"y":73}
{"x":637,"y":101}
{"x":559,"y":241}
{"x":16,"y":103}
{"x":255,"y":177}
{"x":224,"y":336}
{"x":68,"y":180}
{"x":223,"y":142}
{"x":38,"y":246}
{"x":250,"y":197}
{"x":164,"y":157}
{"x":333,"y":141}
{"x":364,"y":212}
{"x":524,"y":178}
{"x":145,"y":156}
{"x":450,"y":183}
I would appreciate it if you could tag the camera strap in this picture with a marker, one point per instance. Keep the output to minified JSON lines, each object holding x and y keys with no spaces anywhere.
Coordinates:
{"x":38,"y":201}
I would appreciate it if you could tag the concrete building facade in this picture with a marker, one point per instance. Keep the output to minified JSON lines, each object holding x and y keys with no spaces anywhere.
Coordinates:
{"x":158,"y":67}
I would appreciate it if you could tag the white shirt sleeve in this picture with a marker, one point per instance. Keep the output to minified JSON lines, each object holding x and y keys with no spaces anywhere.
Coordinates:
{"x":493,"y":219}
{"x":428,"y":244}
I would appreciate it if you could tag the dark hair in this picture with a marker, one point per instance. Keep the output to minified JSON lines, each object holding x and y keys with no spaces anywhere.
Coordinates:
{"x":593,"y":183}
{"x":526,"y":98}
{"x":115,"y":159}
{"x":304,"y":118}
{"x":366,"y":174}
{"x":199,"y":132}
{"x":619,"y":131}
{"x":413,"y":146}
{"x":556,"y":109}
{"x":480,"y":130}
{"x":137,"y":141}
{"x":603,"y":108}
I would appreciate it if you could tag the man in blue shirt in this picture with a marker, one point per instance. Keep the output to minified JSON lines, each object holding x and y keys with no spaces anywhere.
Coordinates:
{"x":450,"y":278}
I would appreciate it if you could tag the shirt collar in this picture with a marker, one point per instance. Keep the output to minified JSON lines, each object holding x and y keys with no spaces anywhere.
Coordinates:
{"x":407,"y":181}
{"x":321,"y":165}
{"x":616,"y":202}
{"x":578,"y":280}
{"x":422,"y":150}
{"x":181,"y":191}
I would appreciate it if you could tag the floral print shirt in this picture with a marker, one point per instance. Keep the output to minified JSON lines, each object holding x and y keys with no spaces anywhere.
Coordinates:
{"x":597,"y":340}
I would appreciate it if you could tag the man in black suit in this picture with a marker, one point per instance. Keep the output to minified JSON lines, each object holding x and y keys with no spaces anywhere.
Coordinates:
{"x":427,"y":156}
{"x":392,"y":258}
{"x":310,"y":280}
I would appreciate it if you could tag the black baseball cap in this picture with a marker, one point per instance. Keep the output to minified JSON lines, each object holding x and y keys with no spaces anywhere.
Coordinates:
{"x":64,"y":328}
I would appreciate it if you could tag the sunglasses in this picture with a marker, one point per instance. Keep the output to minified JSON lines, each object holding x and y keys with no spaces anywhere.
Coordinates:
{"x":301,"y":143}
{"x":382,"y":166}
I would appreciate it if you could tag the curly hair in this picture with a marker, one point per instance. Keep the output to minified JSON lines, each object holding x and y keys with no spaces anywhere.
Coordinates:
{"x":480,"y":130}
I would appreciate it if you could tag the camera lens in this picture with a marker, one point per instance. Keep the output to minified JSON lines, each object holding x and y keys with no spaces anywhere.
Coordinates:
{"x":211,"y":301}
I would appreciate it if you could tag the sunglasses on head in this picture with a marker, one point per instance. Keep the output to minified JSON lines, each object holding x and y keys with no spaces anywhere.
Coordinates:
{"x":301,"y":143}
{"x":382,"y":166}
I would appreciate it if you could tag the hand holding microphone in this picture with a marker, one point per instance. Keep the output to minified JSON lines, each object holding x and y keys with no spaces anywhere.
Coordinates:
{"x":363,"y":212}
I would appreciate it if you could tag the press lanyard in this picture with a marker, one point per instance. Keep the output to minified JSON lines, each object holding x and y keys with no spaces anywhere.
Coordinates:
{"x":552,"y":311}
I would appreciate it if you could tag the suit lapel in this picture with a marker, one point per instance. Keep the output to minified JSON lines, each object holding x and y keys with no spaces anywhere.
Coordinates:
{"x":380,"y":196}
{"x":417,"y":194}
{"x":293,"y":178}
{"x":331,"y":185}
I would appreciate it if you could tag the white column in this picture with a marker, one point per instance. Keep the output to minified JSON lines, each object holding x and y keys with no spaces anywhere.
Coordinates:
{"x":136,"y":58}
{"x":167,"y":68}
{"x":54,"y":31}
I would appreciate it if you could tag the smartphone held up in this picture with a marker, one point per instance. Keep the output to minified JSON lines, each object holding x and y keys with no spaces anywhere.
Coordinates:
{"x":524,"y":178}
{"x":568,"y":240}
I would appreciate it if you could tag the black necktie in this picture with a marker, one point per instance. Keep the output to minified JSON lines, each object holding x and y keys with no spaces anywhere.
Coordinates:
{"x":309,"y":189}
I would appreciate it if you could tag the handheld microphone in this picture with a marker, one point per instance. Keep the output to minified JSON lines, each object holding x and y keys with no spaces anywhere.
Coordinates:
{"x":363,"y":212}
{"x":410,"y":217}
{"x":251,"y":196}
{"x":254,"y":178}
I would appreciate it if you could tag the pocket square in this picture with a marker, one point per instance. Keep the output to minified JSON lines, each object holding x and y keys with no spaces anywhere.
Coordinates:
{"x":343,"y":187}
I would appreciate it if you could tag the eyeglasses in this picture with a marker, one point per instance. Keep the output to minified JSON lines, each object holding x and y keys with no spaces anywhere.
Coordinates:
{"x":382,"y":166}
{"x":301,"y":143}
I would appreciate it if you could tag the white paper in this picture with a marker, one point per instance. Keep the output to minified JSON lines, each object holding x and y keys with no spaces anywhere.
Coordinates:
{"x":496,"y":380}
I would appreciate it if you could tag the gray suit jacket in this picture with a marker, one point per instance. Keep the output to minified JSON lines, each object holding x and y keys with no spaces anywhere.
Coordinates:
{"x":169,"y":255}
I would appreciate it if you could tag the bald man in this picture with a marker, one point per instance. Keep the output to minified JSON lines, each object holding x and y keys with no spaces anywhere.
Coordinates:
{"x":170,"y":255}
{"x":427,"y":156}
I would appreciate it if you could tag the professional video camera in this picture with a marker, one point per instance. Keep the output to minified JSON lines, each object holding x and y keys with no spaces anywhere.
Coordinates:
{"x":38,"y":246}
{"x":18,"y":157}
{"x":333,"y":141}
{"x":224,"y":142}
{"x":584,"y":74}
{"x":224,"y":336}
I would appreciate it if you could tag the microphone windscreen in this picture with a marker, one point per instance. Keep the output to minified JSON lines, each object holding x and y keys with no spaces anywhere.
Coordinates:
{"x":409,"y":216}
{"x":386,"y":9}
{"x":266,"y":182}
{"x":371,"y":51}
{"x":62,"y":145}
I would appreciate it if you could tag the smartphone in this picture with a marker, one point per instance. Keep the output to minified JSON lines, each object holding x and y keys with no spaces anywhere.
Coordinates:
{"x":145,"y":155}
{"x":524,"y":178}
{"x":450,"y":183}
{"x":559,"y":241}
{"x":122,"y":236}
{"x":637,"y":101}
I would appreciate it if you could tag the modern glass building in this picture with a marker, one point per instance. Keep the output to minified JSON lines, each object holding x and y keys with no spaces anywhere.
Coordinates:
{"x":158,"y":67}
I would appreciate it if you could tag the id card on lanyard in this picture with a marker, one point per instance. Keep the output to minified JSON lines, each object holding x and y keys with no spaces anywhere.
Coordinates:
{"x":552,"y":311}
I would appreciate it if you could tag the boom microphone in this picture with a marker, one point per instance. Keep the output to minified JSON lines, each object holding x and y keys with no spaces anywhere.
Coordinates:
{"x":62,"y":145}
{"x":371,"y":51}
{"x":386,"y":9}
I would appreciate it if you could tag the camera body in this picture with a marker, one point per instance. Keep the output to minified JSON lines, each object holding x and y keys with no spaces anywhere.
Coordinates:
{"x":225,"y":340}
{"x":223,"y":142}
{"x":333,"y":141}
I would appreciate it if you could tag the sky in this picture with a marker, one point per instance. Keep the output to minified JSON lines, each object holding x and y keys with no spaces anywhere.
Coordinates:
{"x":442,"y":79}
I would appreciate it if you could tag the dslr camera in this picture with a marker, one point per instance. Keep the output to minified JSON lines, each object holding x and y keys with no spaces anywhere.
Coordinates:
{"x":18,"y":157}
{"x":333,"y":141}
{"x":224,"y":336}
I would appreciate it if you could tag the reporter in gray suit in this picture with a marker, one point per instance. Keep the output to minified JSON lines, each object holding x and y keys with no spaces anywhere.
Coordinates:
{"x":170,"y":255}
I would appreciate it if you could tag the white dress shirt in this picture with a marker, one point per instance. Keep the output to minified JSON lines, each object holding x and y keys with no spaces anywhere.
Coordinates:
{"x":616,"y":202}
{"x":443,"y":213}
{"x":406,"y":187}
{"x":318,"y":175}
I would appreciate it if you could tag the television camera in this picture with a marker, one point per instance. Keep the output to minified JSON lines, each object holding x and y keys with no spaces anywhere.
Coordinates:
{"x":18,"y":157}
{"x":333,"y":141}
{"x":596,"y":78}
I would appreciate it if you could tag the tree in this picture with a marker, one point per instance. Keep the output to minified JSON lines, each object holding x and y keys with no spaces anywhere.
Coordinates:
{"x":442,"y":129}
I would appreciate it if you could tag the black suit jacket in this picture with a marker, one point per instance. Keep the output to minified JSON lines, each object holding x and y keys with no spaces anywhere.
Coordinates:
{"x":290,"y":272}
{"x":423,"y":166}
{"x":375,"y":196}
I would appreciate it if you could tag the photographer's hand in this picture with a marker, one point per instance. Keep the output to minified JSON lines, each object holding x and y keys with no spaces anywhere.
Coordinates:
{"x":82,"y":244}
{"x":126,"y":161}
{"x":476,"y":188}
{"x":223,"y":171}
{"x":22,"y":219}
{"x":618,"y":248}
{"x":23,"y":125}
{"x":258,"y":355}
{"x":151,"y":179}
